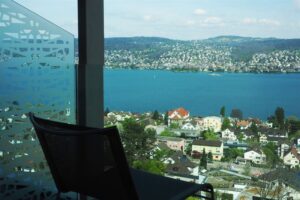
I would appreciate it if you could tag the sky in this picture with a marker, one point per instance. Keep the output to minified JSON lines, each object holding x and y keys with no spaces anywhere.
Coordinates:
{"x":182,"y":19}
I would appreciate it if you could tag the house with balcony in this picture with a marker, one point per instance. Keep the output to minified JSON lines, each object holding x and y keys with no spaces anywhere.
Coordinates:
{"x":215,"y":147}
{"x":292,"y":158}
{"x":256,"y":156}
{"x":228,"y":135}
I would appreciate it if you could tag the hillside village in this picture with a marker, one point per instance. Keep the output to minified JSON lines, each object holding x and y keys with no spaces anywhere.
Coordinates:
{"x":221,"y":54}
{"x":240,"y":153}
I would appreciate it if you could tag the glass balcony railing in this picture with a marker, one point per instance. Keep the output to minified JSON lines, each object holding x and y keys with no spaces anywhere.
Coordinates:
{"x":37,"y":74}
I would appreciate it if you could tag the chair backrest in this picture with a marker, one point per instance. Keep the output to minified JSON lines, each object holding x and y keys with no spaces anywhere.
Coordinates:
{"x":90,"y":161}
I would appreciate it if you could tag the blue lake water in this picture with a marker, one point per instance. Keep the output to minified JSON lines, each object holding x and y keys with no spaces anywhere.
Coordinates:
{"x":257,"y":95}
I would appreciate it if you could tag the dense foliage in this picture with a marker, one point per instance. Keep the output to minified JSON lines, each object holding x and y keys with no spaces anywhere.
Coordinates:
{"x":137,"y":141}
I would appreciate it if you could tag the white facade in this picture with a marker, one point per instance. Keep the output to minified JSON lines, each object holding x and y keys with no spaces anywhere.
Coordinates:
{"x":228,"y":135}
{"x":263,"y":138}
{"x":212,"y":123}
{"x":255,"y":157}
{"x":189,"y":126}
{"x":291,"y":160}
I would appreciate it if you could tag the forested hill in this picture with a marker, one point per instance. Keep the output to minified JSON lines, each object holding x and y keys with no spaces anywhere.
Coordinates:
{"x":223,"y":53}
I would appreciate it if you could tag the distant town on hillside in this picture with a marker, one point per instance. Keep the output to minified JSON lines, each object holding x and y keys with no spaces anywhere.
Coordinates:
{"x":219,"y":54}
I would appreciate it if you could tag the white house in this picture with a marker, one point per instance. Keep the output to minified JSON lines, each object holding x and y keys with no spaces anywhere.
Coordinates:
{"x":292,"y":158}
{"x":189,"y":126}
{"x":256,"y":156}
{"x":263,"y":139}
{"x":178,"y":115}
{"x":228,"y":135}
{"x":212,"y":123}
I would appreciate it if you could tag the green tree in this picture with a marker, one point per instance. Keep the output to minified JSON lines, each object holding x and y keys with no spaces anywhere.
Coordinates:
{"x":210,"y":135}
{"x":137,"y":141}
{"x":209,"y":157}
{"x":253,"y":143}
{"x":225,"y":124}
{"x":279,"y":114}
{"x":226,"y":196}
{"x":236,"y":113}
{"x":223,"y":111}
{"x":203,"y":160}
{"x":174,"y":125}
{"x":167,"y":133}
{"x":247,"y":170}
{"x":232,"y":153}
{"x":188,"y":149}
{"x":272,"y":119}
{"x":240,"y":136}
{"x":155,"y":115}
{"x":166,"y":118}
{"x":153,"y":166}
{"x":254,"y":128}
{"x":270,"y":152}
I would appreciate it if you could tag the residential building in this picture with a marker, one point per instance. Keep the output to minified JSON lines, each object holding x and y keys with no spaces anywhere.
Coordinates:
{"x":228,"y":135}
{"x":189,"y":126}
{"x":174,"y":143}
{"x":178,"y":115}
{"x":243,"y":124}
{"x":263,"y":139}
{"x":179,"y":164}
{"x":210,"y":123}
{"x":284,"y":180}
{"x":256,"y":156}
{"x":292,"y":158}
{"x":215,"y":147}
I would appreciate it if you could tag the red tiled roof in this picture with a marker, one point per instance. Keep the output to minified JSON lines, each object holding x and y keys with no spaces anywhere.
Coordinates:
{"x":243,"y":123}
{"x":181,"y":111}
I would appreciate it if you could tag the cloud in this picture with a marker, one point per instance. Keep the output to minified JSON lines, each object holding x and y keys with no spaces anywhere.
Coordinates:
{"x":199,"y":11}
{"x":148,"y":17}
{"x":263,"y":21}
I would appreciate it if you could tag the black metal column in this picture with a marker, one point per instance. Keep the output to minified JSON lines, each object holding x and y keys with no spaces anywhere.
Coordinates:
{"x":91,"y":60}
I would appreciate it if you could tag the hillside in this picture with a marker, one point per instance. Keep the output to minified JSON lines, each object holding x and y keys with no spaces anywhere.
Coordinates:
{"x":223,"y":53}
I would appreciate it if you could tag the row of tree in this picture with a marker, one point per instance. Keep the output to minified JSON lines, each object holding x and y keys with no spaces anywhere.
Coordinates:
{"x":235,"y":113}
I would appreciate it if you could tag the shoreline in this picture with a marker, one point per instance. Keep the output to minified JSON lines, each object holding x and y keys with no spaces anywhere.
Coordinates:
{"x":196,"y":71}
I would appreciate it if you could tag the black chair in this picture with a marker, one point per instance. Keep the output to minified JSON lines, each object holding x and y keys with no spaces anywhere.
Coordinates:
{"x":91,"y":161}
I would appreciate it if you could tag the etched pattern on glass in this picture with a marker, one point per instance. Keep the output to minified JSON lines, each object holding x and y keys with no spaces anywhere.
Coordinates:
{"x":37,"y":74}
{"x":27,"y":39}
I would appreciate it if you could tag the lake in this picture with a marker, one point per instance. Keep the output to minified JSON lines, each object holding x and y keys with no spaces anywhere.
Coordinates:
{"x":203,"y":94}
